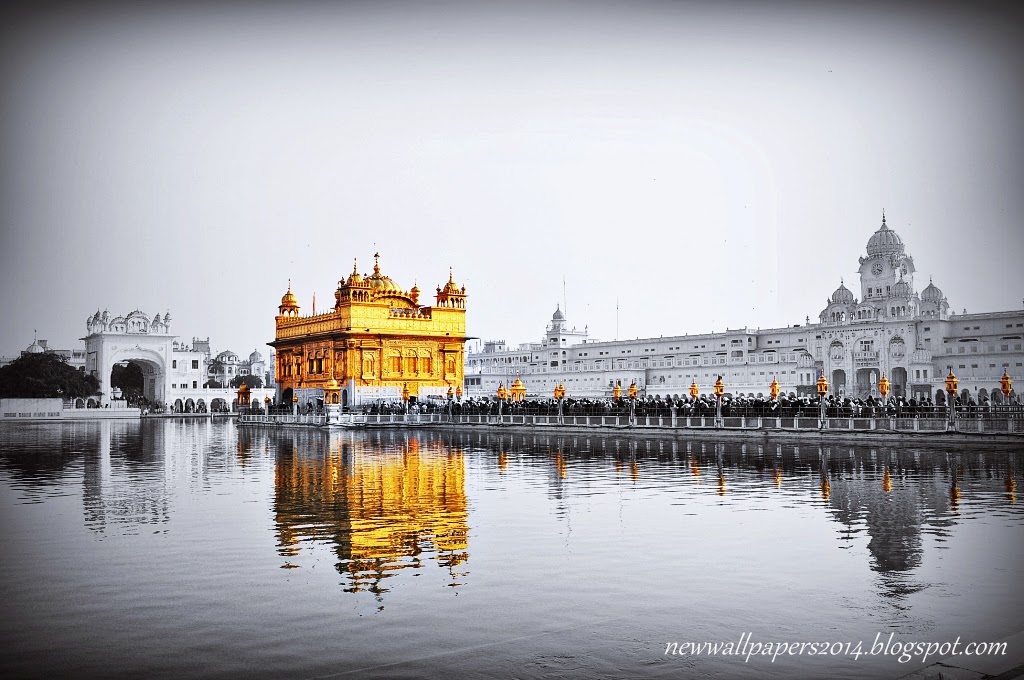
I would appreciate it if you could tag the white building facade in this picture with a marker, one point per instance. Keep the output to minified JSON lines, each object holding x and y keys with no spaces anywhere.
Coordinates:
{"x":890,"y":329}
{"x":174,"y":372}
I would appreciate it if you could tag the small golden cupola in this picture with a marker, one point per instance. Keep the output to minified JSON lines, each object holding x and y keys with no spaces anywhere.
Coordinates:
{"x":414,"y":294}
{"x":355,"y":278}
{"x":289,"y":303}
{"x":451,"y":295}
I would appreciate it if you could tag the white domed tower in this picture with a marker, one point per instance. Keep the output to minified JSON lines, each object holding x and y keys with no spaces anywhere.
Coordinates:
{"x":840,"y":307}
{"x":886,"y":264}
{"x":933,"y":303}
{"x":558,"y":334}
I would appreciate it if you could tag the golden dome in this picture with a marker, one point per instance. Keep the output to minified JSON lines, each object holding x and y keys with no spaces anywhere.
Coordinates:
{"x":380,"y":283}
{"x":355,"y":278}
{"x":332,"y":384}
{"x":289,"y":299}
{"x":451,"y":288}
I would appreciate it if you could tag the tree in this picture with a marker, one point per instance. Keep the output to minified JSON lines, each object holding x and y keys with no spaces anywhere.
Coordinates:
{"x":45,"y":375}
{"x":129,"y":379}
{"x":253,"y":381}
{"x":215,"y":369}
{"x":212,"y":383}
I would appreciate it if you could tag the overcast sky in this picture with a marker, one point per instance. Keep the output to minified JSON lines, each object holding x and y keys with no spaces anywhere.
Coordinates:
{"x":702,"y":165}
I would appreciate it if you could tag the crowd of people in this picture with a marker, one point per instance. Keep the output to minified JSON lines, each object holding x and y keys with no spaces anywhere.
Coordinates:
{"x":785,"y":406}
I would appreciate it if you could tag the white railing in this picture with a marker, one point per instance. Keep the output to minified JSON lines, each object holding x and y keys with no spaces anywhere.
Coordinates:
{"x":988,"y":425}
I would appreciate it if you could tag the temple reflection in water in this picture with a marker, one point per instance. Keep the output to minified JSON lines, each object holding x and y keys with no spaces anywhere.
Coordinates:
{"x":384,"y":507}
{"x":395,"y":501}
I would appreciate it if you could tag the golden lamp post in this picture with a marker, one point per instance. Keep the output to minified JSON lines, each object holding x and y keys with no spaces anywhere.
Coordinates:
{"x":617,"y":391}
{"x":719,"y":391}
{"x":822,"y":386}
{"x":458,"y":394}
{"x":559,"y":396}
{"x":694,"y":390}
{"x":951,"y":384}
{"x":502,"y":395}
{"x":773,"y":389}
{"x":518,"y":390}
{"x":450,"y":395}
{"x":883,"y":387}
{"x":405,"y":397}
{"x":295,"y":405}
{"x":1006,"y":386}
{"x":266,"y":404}
{"x":632,"y":402}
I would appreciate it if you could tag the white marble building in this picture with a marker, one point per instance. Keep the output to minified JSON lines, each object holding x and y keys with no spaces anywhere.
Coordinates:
{"x":174,"y":372}
{"x":889,"y":329}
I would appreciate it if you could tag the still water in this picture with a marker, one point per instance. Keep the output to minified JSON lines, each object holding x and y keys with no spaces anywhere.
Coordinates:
{"x":177,"y":549}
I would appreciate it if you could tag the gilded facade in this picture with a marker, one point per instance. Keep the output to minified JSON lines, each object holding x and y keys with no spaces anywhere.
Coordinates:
{"x":375,"y":343}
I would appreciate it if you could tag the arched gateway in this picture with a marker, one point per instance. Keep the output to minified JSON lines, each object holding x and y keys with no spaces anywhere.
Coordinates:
{"x":134,"y":338}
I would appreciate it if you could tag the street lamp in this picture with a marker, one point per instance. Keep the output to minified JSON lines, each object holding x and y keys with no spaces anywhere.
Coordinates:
{"x":951,"y":384}
{"x":822,"y":386}
{"x":617,"y":391}
{"x":883,"y":387}
{"x":719,"y":391}
{"x":451,"y":394}
{"x":694,"y":390}
{"x":518,"y":390}
{"x":773,"y":389}
{"x":559,"y":396}
{"x":632,"y":402}
{"x":502,"y":394}
{"x":1006,"y":386}
{"x":405,"y":397}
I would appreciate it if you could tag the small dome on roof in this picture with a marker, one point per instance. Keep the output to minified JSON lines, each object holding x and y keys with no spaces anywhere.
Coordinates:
{"x":558,"y":316}
{"x":35,"y":348}
{"x":931,"y":293}
{"x":901,"y":289}
{"x":355,"y":278}
{"x":842,"y":295}
{"x":451,"y":288}
{"x":255,"y":357}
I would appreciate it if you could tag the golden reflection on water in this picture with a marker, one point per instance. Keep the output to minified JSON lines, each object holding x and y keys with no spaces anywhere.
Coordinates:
{"x":384,"y":511}
{"x":395,"y":502}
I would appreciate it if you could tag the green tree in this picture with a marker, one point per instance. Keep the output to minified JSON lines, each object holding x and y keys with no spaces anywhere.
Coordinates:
{"x":45,"y":375}
{"x":129,"y":379}
{"x":253,"y":381}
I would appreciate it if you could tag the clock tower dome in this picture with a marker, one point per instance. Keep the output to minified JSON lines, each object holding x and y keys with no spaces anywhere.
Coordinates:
{"x":885,"y":265}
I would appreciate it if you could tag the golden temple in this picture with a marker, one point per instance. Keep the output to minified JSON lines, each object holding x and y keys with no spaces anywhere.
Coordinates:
{"x":377,"y":342}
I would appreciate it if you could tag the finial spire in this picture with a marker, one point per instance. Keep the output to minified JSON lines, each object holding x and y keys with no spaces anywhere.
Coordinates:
{"x":883,"y":219}
{"x":289,"y":285}
{"x":355,"y":269}
{"x":376,"y":264}
{"x":451,"y":276}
